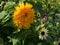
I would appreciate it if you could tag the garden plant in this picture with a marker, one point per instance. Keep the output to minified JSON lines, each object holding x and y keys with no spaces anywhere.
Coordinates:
{"x":29,"y":22}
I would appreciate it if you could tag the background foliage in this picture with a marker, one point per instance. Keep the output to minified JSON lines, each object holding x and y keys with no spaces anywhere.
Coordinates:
{"x":46,"y":10}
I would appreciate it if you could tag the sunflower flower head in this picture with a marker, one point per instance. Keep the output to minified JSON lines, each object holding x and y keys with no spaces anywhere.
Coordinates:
{"x":43,"y":33}
{"x":23,"y":15}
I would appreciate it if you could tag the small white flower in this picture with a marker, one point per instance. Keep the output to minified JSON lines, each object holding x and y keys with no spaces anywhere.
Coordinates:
{"x":43,"y":33}
{"x":56,"y":42}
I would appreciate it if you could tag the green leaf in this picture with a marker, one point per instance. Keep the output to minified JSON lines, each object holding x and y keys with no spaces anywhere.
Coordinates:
{"x":1,"y":41}
{"x":14,"y":41}
{"x":39,"y":43}
{"x":9,"y":5}
{"x":0,"y":1}
{"x":6,"y":18}
{"x":2,"y":14}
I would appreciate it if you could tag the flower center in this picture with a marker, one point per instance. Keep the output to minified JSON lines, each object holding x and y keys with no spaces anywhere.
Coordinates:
{"x":42,"y":33}
{"x":59,"y":43}
{"x":25,"y":15}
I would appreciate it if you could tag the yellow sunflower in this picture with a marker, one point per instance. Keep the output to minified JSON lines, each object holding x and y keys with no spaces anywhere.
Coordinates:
{"x":23,"y":15}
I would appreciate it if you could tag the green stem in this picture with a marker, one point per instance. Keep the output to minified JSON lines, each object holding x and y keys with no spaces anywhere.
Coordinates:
{"x":22,"y":42}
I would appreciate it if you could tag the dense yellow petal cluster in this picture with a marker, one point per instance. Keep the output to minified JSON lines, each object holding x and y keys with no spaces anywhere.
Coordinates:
{"x":23,"y":15}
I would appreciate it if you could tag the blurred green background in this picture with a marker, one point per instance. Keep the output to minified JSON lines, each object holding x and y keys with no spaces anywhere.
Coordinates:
{"x":46,"y":10}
